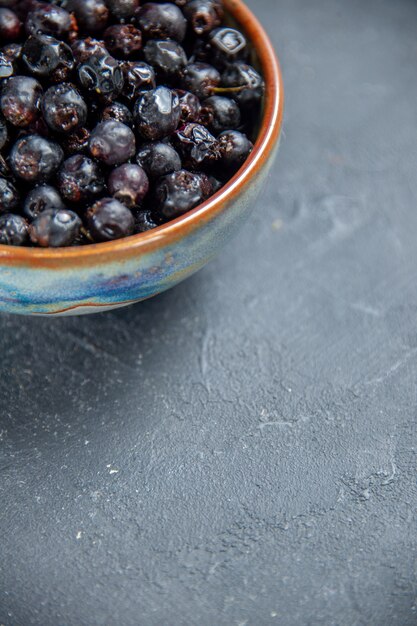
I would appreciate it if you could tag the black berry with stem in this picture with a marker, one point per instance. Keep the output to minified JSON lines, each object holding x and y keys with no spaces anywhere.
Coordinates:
{"x":9,"y":196}
{"x":138,"y":76}
{"x":162,"y":21}
{"x":245,"y":84}
{"x":10,"y":26}
{"x":157,"y":113}
{"x":40,"y":199}
{"x":219,"y":113}
{"x":129,"y":184}
{"x":167,"y":57}
{"x":48,"y":19}
{"x":177,"y":193}
{"x":119,"y":112}
{"x":92,"y":15}
{"x":35,"y":159}
{"x":55,"y":228}
{"x":109,"y":219}
{"x":234,"y":149}
{"x":112,"y":142}
{"x":80,"y":178}
{"x":63,"y":108}
{"x":20,"y":100}
{"x":201,"y":79}
{"x":14,"y":230}
{"x":47,"y":58}
{"x":198,"y":147}
{"x":204,"y":15}
{"x":123,"y":40}
{"x":158,"y":159}
{"x":101,"y":75}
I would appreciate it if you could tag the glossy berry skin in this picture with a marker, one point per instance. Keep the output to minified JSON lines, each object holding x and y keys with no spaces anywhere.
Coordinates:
{"x":158,"y":159}
{"x":204,"y":15}
{"x":83,"y":49}
{"x":6,"y":66}
{"x":46,"y":57}
{"x":48,"y":19}
{"x":242,"y":75}
{"x":123,"y":40}
{"x":4,"y":133}
{"x":14,"y":230}
{"x":178,"y":193}
{"x":40,"y":199}
{"x":119,"y":112}
{"x":63,"y":108}
{"x":77,"y":141}
{"x":190,"y":106}
{"x":219,"y":114}
{"x":201,"y":79}
{"x":234,"y":148}
{"x":167,"y":57}
{"x":35,"y":159}
{"x":9,"y":196}
{"x":80,"y":179}
{"x":123,"y":9}
{"x":112,"y":142}
{"x":138,"y":76}
{"x":144,"y":222}
{"x":20,"y":100}
{"x":162,"y":21}
{"x":10,"y":26}
{"x":197,"y":146}
{"x":129,"y":184}
{"x":92,"y":15}
{"x":101,"y":75}
{"x":227,"y":46}
{"x":157,"y":113}
{"x":55,"y":228}
{"x":109,"y":219}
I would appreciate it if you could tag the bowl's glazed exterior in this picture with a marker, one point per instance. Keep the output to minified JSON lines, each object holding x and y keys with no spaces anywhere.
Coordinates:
{"x":105,"y":276}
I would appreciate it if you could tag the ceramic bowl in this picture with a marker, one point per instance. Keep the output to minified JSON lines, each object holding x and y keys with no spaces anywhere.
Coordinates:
{"x":104,"y":276}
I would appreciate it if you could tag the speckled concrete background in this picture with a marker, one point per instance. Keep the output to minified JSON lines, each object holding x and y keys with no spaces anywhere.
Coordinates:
{"x":241,"y":450}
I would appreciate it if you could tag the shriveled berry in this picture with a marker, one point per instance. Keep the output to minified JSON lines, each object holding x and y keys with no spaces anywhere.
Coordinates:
{"x":157,"y":113}
{"x":123,"y":9}
{"x":119,"y":112}
{"x":92,"y":15}
{"x":197,"y":146}
{"x":158,"y":159}
{"x":35,"y":159}
{"x":247,"y":83}
{"x":14,"y":230}
{"x":101,"y":75}
{"x":201,"y":79}
{"x":80,"y":178}
{"x":162,"y":21}
{"x":10,"y":25}
{"x":129,"y":184}
{"x":112,"y":142}
{"x":123,"y":40}
{"x":6,"y":66}
{"x":139,"y":76}
{"x":144,"y":221}
{"x":219,"y":114}
{"x":63,"y":108}
{"x":55,"y":228}
{"x":167,"y":57}
{"x":178,"y":193}
{"x":109,"y":219}
{"x":40,"y":199}
{"x":190,"y":106}
{"x":228,"y":45}
{"x":83,"y":49}
{"x":48,"y":19}
{"x":9,"y":196}
{"x":46,"y":57}
{"x":77,"y":141}
{"x":20,"y":100}
{"x":204,"y":15}
{"x":234,"y":148}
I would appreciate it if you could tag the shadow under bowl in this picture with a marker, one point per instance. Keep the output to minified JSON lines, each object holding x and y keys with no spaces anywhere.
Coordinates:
{"x":98,"y":277}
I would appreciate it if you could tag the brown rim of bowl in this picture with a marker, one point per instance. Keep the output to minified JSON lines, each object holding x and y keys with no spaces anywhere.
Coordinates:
{"x":167,"y":233}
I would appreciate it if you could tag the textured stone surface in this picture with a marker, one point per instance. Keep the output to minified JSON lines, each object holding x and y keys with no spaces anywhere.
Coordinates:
{"x":241,"y":450}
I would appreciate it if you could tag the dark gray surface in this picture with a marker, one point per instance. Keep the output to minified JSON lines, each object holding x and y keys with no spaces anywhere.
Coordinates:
{"x":241,"y":450}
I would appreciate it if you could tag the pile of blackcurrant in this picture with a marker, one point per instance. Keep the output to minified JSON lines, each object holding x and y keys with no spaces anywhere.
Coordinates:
{"x":117,"y":115}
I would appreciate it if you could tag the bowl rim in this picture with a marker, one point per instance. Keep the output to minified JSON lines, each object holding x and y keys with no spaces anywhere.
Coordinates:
{"x":269,"y":132}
